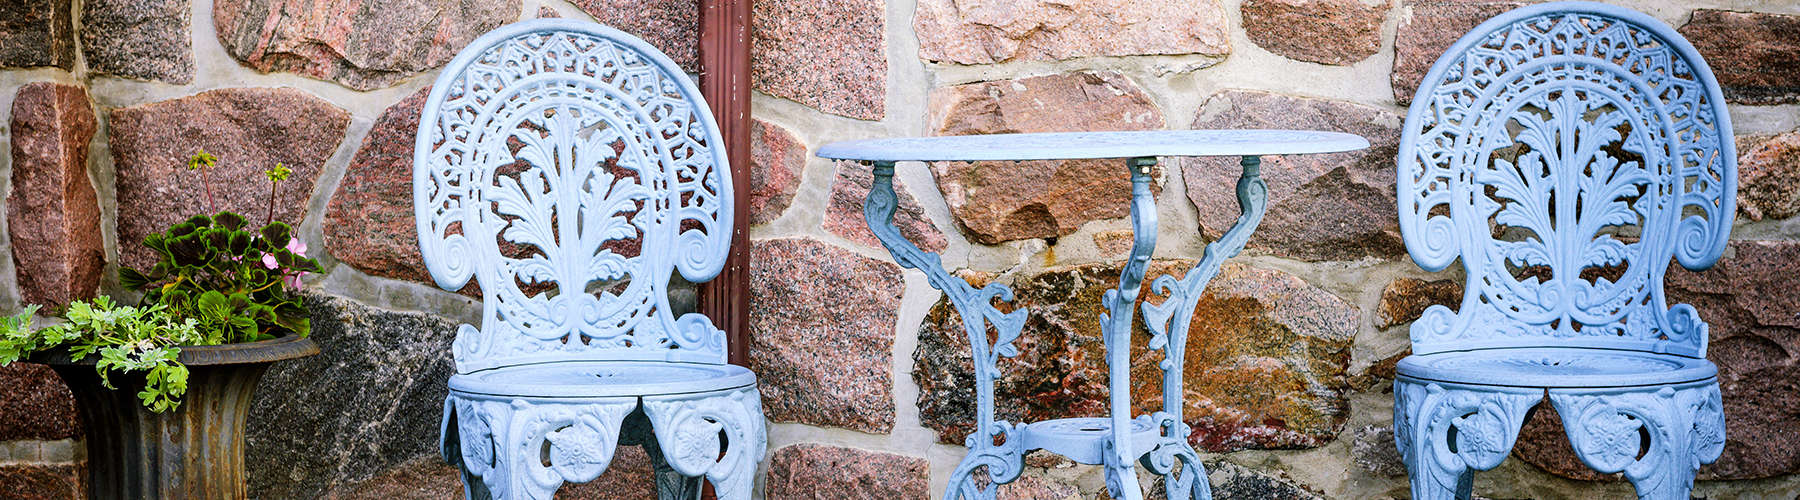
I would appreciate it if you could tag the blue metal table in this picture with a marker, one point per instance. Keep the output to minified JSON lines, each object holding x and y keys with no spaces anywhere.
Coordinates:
{"x":1159,"y":440}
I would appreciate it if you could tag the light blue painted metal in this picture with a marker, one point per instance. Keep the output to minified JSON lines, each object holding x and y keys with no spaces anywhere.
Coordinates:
{"x":1157,"y":441}
{"x":571,"y":170}
{"x":1079,"y":145}
{"x":1565,"y":152}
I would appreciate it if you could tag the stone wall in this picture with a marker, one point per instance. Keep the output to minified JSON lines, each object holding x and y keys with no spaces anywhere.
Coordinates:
{"x":1291,"y":362}
{"x":864,"y":378}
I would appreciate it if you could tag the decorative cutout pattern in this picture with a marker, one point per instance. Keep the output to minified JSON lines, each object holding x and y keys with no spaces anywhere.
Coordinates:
{"x":1685,"y":426}
{"x":1565,"y":152}
{"x":1446,"y":432}
{"x":501,"y":442}
{"x":1173,"y":458}
{"x":1565,"y":157}
{"x":570,"y":173}
{"x":689,"y":431}
{"x":570,"y":169}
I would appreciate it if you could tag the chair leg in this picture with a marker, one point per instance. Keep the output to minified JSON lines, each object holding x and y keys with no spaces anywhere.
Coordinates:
{"x":502,"y":443}
{"x":670,"y":484}
{"x":1446,"y":432}
{"x":1684,"y":427}
{"x":474,"y":489}
{"x":692,"y":429}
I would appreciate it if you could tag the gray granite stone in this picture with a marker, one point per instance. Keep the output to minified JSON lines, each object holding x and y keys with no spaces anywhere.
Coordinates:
{"x":372,"y":399}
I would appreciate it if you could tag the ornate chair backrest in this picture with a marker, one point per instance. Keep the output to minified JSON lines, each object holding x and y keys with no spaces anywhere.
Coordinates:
{"x":1566,"y":152}
{"x":571,"y":169}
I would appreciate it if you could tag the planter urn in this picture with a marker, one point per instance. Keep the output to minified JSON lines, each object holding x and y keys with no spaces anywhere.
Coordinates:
{"x":193,"y":451}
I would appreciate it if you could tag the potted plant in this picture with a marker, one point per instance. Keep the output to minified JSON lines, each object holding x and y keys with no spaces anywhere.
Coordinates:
{"x":164,"y":387}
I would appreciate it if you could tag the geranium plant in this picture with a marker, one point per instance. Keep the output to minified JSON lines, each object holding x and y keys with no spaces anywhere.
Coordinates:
{"x":240,"y":284}
{"x":216,"y":280}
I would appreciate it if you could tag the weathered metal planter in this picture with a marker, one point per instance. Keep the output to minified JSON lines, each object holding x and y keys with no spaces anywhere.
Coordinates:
{"x":194,"y":451}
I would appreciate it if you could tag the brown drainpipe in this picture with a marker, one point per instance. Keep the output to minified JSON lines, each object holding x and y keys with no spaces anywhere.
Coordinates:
{"x":725,"y":81}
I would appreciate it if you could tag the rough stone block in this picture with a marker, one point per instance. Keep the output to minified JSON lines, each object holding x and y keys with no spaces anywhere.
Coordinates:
{"x":813,"y":471}
{"x":369,"y":222}
{"x":997,"y":201}
{"x":1266,"y":358}
{"x":247,"y":129}
{"x":37,"y":33}
{"x":371,"y":400}
{"x":983,"y":32}
{"x":822,"y":333}
{"x":830,"y":55}
{"x":1755,"y":55}
{"x":39,"y":481}
{"x":672,"y":26}
{"x":777,"y":159}
{"x":1769,"y":176}
{"x":1404,"y":300}
{"x":1337,"y":206}
{"x":844,"y":216}
{"x":1428,"y":29}
{"x":1334,"y":32}
{"x":36,"y":405}
{"x":142,"y":39}
{"x":52,"y":214}
{"x":364,"y":45}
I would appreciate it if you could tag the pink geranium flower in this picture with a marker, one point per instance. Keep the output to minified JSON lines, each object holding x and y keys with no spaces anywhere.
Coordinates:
{"x":298,"y":248}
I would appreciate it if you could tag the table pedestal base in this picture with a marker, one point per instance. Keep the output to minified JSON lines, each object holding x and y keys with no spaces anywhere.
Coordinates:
{"x":1118,"y":442}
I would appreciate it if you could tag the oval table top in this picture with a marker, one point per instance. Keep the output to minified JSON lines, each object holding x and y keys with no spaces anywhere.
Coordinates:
{"x":1081,"y":145}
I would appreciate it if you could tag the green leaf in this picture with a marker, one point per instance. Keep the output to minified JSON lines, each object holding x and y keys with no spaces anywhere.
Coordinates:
{"x":229,"y":220}
{"x":277,"y":233}
{"x":240,"y":243}
{"x":132,"y":279}
{"x":293,"y":317}
{"x":218,"y":239}
{"x":199,"y":221}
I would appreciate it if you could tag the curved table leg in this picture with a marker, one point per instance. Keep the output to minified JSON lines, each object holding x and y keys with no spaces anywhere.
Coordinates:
{"x":993,"y":444}
{"x":1168,"y":323}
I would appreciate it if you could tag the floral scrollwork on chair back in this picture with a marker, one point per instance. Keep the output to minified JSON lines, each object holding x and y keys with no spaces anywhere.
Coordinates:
{"x":1566,"y":158}
{"x":571,"y":170}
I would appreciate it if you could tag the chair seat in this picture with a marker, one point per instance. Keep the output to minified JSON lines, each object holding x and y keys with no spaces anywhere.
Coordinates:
{"x":583,"y":379}
{"x":1556,"y":367}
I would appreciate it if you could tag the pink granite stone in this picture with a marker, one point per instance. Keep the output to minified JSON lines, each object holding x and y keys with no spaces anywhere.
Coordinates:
{"x":247,"y":129}
{"x":777,"y":159}
{"x":827,"y":54}
{"x":822,"y":334}
{"x":361,"y":44}
{"x":997,"y":201}
{"x":52,"y":214}
{"x":815,"y":471}
{"x":844,"y":216}
{"x":990,"y":31}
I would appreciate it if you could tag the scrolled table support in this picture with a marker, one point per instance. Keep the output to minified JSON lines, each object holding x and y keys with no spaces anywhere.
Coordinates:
{"x":1168,"y":323}
{"x":1004,"y":460}
{"x":1115,"y":330}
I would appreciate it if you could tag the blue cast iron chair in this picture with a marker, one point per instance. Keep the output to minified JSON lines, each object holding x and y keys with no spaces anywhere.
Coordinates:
{"x":1565,"y":152}
{"x":570,"y":169}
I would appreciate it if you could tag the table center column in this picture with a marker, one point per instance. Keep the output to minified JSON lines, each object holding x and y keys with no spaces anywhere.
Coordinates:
{"x":1116,"y":329}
